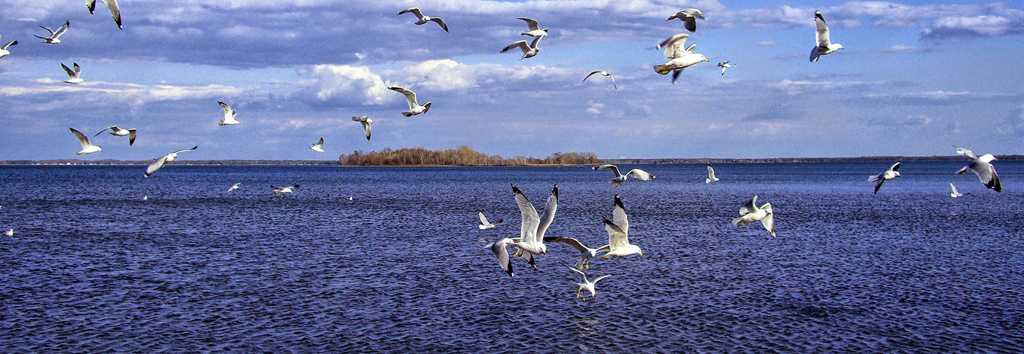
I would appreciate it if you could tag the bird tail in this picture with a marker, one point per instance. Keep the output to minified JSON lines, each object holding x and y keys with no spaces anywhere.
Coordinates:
{"x":426,"y":107}
{"x":738,"y":221}
{"x":873,"y":178}
{"x":407,"y":114}
{"x":220,"y":123}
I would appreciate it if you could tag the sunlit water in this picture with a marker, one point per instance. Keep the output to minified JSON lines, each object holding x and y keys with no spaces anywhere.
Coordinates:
{"x":93,"y":267}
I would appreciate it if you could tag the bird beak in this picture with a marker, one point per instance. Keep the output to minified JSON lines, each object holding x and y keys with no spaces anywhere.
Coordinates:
{"x":641,"y":254}
{"x":706,"y":59}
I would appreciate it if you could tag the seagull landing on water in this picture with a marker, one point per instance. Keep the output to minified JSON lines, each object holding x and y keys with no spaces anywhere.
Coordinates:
{"x":53,"y":38}
{"x":115,"y":12}
{"x":725,"y":65}
{"x":234,"y":187}
{"x":280,"y":191}
{"x":891,"y":173}
{"x":981,"y":165}
{"x":535,"y":30}
{"x":410,"y":98}
{"x":586,"y":253}
{"x":602,"y":73}
{"x":824,"y":45}
{"x":424,"y":19}
{"x":484,"y":224}
{"x":115,"y":131}
{"x":955,"y":193}
{"x":711,"y":175}
{"x":586,"y":284}
{"x":678,"y":57}
{"x":619,"y":177}
{"x":87,"y":147}
{"x":366,"y":121}
{"x":750,"y":213}
{"x":3,"y":49}
{"x":319,"y":146}
{"x":163,"y":160}
{"x":73,"y":75}
{"x":618,"y":233}
{"x":229,"y":115}
{"x":689,"y":18}
{"x":529,"y":51}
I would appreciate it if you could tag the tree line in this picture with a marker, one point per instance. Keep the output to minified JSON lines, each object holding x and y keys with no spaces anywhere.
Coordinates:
{"x":461,"y":156}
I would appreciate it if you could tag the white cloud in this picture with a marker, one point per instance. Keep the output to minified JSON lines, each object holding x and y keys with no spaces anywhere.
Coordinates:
{"x":594,"y":107}
{"x":905,"y":49}
{"x":344,"y":84}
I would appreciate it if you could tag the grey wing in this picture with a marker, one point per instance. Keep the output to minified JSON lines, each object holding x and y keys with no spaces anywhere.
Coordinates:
{"x":530,"y":23}
{"x":815,"y":53}
{"x":483,"y":219}
{"x":115,"y":12}
{"x":769,"y":224}
{"x":530,"y":217}
{"x":987,"y":174}
{"x":616,"y":238}
{"x":549,"y":213}
{"x":320,"y":142}
{"x":47,"y":29}
{"x":156,"y":165}
{"x":71,"y":73}
{"x":821,"y":30}
{"x":78,"y":69}
{"x":601,"y":277}
{"x":62,"y":29}
{"x":535,"y":42}
{"x":131,"y":137}
{"x":14,"y":42}
{"x":91,"y":5}
{"x":410,"y":96}
{"x":672,"y":44}
{"x":641,"y":174}
{"x":574,"y":243}
{"x":183,"y":150}
{"x":613,"y":82}
{"x":962,"y":151}
{"x":619,"y":215}
{"x":104,"y":129}
{"x":690,"y":23}
{"x":501,"y":253}
{"x":366,"y":129}
{"x":895,"y":167}
{"x":878,"y":185}
{"x":520,"y":44}
{"x":82,"y":139}
{"x":414,"y":10}
{"x":591,"y":74}
{"x":749,"y":207}
{"x":711,"y":172}
{"x":440,"y":22}
{"x":615,"y":169}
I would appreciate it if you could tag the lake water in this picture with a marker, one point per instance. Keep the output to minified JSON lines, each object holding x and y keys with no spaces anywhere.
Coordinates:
{"x":401,"y":267}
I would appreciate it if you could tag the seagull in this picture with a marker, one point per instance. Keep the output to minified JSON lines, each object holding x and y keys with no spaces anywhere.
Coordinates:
{"x":602,"y":73}
{"x":586,"y":284}
{"x":619,"y":177}
{"x":414,"y":106}
{"x":115,"y":12}
{"x":3,"y":49}
{"x":280,"y":191}
{"x":689,"y":18}
{"x":678,"y":57}
{"x":53,"y":38}
{"x":87,"y":147}
{"x":587,"y":253}
{"x":424,"y":19}
{"x":367,"y":121}
{"x":350,"y":198}
{"x":9,"y":233}
{"x":319,"y":146}
{"x":725,"y":65}
{"x":711,"y":175}
{"x":750,"y":213}
{"x":115,"y":131}
{"x":535,"y":30}
{"x":229,"y":115}
{"x":163,"y":160}
{"x":618,"y":233}
{"x":484,"y":225}
{"x":73,"y":75}
{"x":981,"y":165}
{"x":825,"y":46}
{"x":233,"y":187}
{"x":531,"y":234}
{"x":955,"y":193}
{"x":529,"y":51}
{"x":891,"y":173}
{"x":500,"y":250}
{"x":145,"y":197}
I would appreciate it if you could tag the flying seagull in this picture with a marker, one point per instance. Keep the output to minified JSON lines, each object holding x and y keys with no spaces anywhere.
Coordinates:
{"x":824,"y":45}
{"x":53,"y":38}
{"x":981,"y":165}
{"x":618,"y":233}
{"x":500,"y":249}
{"x":678,"y":56}
{"x":280,"y":191}
{"x":414,"y":106}
{"x":586,"y":253}
{"x":535,"y":30}
{"x":319,"y":146}
{"x":586,"y":284}
{"x":233,"y":187}
{"x":115,"y":12}
{"x":529,"y":51}
{"x":689,"y":18}
{"x":3,"y":50}
{"x":367,"y":121}
{"x":424,"y":19}
{"x":115,"y":131}
{"x":229,"y":115}
{"x":725,"y":65}
{"x":955,"y":193}
{"x":891,"y":173}
{"x":87,"y":147}
{"x":602,"y":73}
{"x":73,"y":75}
{"x":163,"y":160}
{"x":619,"y":177}
{"x":750,"y":213}
{"x":531,"y":233}
{"x":484,"y":224}
{"x":711,"y":175}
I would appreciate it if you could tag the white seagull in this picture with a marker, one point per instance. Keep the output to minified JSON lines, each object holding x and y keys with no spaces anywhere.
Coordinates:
{"x":53,"y":38}
{"x":500,"y":249}
{"x":824,"y":45}
{"x":531,"y":234}
{"x":367,"y":121}
{"x":725,"y":65}
{"x":115,"y":12}
{"x":115,"y":131}
{"x":689,"y":18}
{"x":955,"y":193}
{"x":319,"y":146}
{"x":9,"y":233}
{"x":752,"y":213}
{"x":280,"y":191}
{"x":233,"y":187}
{"x":484,"y":224}
{"x":618,"y":233}
{"x":619,"y":177}
{"x":711,"y":175}
{"x":535,"y":30}
{"x":87,"y":147}
{"x":229,"y":115}
{"x":891,"y":173}
{"x":981,"y":165}
{"x":602,"y":73}
{"x":3,"y":50}
{"x":410,"y":97}
{"x":73,"y":75}
{"x":586,"y":284}
{"x":529,"y":51}
{"x":163,"y":160}
{"x":678,"y":56}
{"x":424,"y":19}
{"x":586,"y":253}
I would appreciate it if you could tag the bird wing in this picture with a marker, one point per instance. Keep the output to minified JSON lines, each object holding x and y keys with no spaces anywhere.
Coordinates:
{"x":483,"y":219}
{"x":319,"y":142}
{"x":111,"y":128}
{"x":156,"y":165}
{"x":501,"y":253}
{"x":414,"y":10}
{"x":641,"y":174}
{"x":14,"y":42}
{"x":673,"y":45}
{"x":574,"y":243}
{"x":115,"y":12}
{"x":953,"y":187}
{"x":521,"y":44}
{"x":615,"y":169}
{"x":183,"y":150}
{"x":535,"y":42}
{"x":600,"y":277}
{"x":878,"y":184}
{"x":616,"y":238}
{"x":131,"y":137}
{"x":549,"y":213}
{"x":410,"y":97}
{"x":821,"y":29}
{"x":47,"y":29}
{"x":619,"y":215}
{"x":530,"y":23}
{"x":71,"y":73}
{"x":987,"y":174}
{"x":228,"y":112}
{"x":749,"y":207}
{"x":366,"y":129}
{"x":91,"y":5}
{"x":591,"y":74}
{"x":962,"y":151}
{"x":768,"y":221}
{"x":440,"y":22}
{"x":895,"y":167}
{"x":78,"y":69}
{"x":61,"y":30}
{"x":616,"y":87}
{"x":711,"y":172}
{"x":82,"y":139}
{"x":530,"y":218}
{"x":689,"y":50}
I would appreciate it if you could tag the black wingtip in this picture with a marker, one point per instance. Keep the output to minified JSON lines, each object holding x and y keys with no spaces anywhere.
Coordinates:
{"x":607,"y":222}
{"x":554,"y":191}
{"x":618,"y":202}
{"x":515,"y":190}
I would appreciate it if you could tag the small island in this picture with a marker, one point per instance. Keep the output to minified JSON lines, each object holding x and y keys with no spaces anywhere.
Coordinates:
{"x":461,"y":156}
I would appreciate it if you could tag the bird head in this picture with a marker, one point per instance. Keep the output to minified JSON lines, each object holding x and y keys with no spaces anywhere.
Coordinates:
{"x":545,"y":32}
{"x":842,"y":47}
{"x":897,"y":174}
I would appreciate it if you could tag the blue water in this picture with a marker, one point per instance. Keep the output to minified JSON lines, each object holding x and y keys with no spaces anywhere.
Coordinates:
{"x":93,"y":267}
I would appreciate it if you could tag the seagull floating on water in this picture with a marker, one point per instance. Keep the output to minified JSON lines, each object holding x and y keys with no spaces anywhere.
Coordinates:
{"x":535,"y":30}
{"x":619,"y":177}
{"x":319,"y":146}
{"x":366,"y":121}
{"x":280,"y":191}
{"x":410,"y":98}
{"x":229,"y":115}
{"x":725,"y":65}
{"x":711,"y":175}
{"x":115,"y":131}
{"x":87,"y":147}
{"x":424,"y":19}
{"x":750,"y":213}
{"x":484,"y":224}
{"x":529,"y":51}
{"x":891,"y":173}
{"x":981,"y":165}
{"x":689,"y":18}
{"x":678,"y":57}
{"x":115,"y":12}
{"x":163,"y":160}
{"x":234,"y":187}
{"x":602,"y":73}
{"x":618,"y":233}
{"x":53,"y":38}
{"x":955,"y":193}
{"x":824,"y":45}
{"x":73,"y":75}
{"x":586,"y":253}
{"x":3,"y":50}
{"x":586,"y":284}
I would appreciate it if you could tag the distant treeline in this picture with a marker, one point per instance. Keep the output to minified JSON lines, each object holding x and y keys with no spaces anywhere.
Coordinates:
{"x":799,"y":159}
{"x":461,"y":156}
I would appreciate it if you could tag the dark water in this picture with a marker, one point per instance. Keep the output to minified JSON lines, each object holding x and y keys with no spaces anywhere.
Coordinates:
{"x":93,"y":267}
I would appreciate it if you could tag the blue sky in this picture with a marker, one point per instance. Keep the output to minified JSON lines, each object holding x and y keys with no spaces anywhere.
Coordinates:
{"x":916,"y":78}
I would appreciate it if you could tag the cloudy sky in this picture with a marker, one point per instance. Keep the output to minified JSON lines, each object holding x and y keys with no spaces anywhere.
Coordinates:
{"x":916,"y":78}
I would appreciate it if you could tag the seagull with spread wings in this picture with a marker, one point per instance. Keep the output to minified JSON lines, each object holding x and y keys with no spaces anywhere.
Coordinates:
{"x":750,"y":213}
{"x":115,"y":11}
{"x":115,"y":131}
{"x":619,"y":177}
{"x":423,"y":19}
{"x":679,"y":57}
{"x":163,"y":160}
{"x":824,"y":44}
{"x":981,"y":166}
{"x":410,"y":98}
{"x":54,"y":35}
{"x":87,"y":147}
{"x":892,"y":173}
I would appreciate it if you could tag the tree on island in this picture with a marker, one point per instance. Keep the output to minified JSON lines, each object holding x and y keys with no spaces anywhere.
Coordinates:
{"x":461,"y":156}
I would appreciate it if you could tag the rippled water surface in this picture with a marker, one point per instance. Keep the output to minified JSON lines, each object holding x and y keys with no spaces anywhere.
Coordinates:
{"x":401,"y":266}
